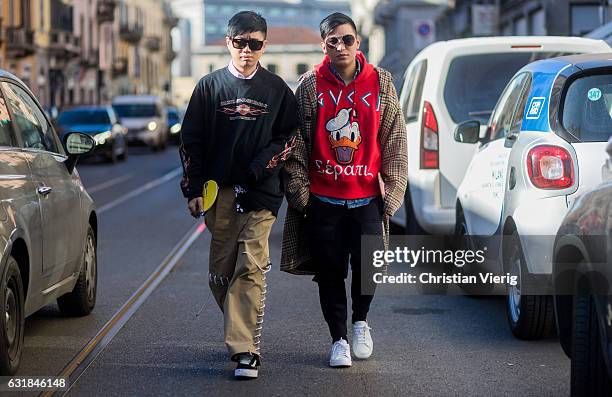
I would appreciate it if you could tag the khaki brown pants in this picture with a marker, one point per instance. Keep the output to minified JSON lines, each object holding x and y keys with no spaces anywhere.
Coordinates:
{"x":239,"y":260}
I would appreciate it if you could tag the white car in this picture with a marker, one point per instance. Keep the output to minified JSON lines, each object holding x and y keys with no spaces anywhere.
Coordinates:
{"x":544,"y":146}
{"x":145,"y":118}
{"x":450,"y":82}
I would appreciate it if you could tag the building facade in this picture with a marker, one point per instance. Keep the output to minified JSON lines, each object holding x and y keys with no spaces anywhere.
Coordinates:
{"x":524,"y":17}
{"x":291,"y":13}
{"x":144,"y":53}
{"x":394,"y":31}
{"x":73,"y":52}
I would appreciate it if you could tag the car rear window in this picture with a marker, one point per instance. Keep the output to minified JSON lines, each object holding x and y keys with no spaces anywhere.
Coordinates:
{"x":136,"y":110}
{"x":475,"y":82}
{"x":74,"y":117}
{"x":586,"y":108}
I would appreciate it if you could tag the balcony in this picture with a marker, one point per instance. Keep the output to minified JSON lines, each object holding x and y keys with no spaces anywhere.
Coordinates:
{"x":153,"y":43}
{"x":19,"y":42}
{"x":131,"y":33}
{"x":106,"y":10}
{"x":90,"y":58}
{"x":120,"y":67}
{"x":64,"y":44}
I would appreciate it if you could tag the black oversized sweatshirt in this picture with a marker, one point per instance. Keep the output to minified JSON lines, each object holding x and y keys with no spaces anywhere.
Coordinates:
{"x":238,"y":132}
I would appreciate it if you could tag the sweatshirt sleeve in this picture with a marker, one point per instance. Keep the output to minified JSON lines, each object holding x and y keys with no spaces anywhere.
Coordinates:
{"x":193,"y":142}
{"x":271,"y":158}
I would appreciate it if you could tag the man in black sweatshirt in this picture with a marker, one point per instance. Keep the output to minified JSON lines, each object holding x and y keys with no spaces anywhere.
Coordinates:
{"x":238,"y":130}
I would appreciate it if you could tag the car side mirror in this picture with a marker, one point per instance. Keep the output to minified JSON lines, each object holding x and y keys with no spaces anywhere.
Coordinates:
{"x":77,"y":144}
{"x":468,"y":132}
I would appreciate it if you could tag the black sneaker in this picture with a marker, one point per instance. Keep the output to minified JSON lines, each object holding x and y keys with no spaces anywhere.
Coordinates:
{"x":248,"y":366}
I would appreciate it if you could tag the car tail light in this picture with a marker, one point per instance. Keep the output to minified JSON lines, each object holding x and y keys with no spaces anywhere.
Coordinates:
{"x":550,"y":167}
{"x":429,"y":138}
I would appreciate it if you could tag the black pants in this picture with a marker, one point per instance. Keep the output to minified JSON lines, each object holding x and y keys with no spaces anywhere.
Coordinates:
{"x":335,"y":234}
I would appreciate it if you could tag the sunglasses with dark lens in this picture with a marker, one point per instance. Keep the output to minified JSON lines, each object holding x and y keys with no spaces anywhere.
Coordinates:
{"x":254,"y":44}
{"x":347,"y":39}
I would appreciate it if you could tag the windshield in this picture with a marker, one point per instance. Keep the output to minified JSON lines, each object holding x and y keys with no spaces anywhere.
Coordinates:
{"x":475,"y":82}
{"x":587,"y":108}
{"x":74,"y":117}
{"x":136,"y":110}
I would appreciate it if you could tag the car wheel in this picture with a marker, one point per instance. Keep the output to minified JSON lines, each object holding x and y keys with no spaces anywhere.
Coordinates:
{"x":112,"y":156}
{"x":163,"y":143}
{"x":463,"y":242}
{"x":12,"y":320}
{"x":123,"y":156}
{"x":589,"y":374}
{"x":82,"y":299}
{"x":529,"y":316}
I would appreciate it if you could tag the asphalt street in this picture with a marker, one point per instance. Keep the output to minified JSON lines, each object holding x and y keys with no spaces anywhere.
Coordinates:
{"x":424,"y":345}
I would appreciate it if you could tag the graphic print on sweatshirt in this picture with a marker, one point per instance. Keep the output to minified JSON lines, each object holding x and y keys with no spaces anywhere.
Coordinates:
{"x":243,"y":109}
{"x":344,"y":136}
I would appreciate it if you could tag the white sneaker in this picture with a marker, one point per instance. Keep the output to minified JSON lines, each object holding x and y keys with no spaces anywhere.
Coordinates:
{"x":340,"y":354}
{"x":362,"y":340}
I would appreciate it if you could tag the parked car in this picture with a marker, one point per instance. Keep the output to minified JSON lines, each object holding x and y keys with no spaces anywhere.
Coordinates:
{"x":175,"y":121}
{"x":543,"y":148}
{"x":48,"y":222}
{"x":102,"y":124}
{"x":450,"y":82}
{"x":582,"y":276}
{"x":145,"y":118}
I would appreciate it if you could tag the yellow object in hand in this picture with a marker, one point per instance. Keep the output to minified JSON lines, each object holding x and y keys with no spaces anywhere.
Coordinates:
{"x":209,"y":194}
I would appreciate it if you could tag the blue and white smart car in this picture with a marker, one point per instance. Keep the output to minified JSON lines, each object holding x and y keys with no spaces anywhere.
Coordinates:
{"x":544,"y":146}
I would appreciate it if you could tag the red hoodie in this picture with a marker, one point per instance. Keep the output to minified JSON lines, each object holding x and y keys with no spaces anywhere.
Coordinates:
{"x":345,"y":158}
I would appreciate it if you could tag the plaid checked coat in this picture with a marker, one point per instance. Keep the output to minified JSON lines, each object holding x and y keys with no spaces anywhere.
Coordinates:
{"x":295,"y":257}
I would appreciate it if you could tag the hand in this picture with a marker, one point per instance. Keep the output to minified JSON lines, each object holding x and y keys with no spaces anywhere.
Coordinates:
{"x":196,"y":207}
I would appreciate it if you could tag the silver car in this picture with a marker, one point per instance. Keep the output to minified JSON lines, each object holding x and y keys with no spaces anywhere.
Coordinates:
{"x":48,"y":223}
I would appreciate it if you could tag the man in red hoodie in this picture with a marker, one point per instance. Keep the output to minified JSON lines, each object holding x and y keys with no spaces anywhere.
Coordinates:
{"x":347,"y":175}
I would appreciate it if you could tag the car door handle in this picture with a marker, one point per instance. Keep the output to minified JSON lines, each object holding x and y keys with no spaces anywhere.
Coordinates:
{"x":44,"y":190}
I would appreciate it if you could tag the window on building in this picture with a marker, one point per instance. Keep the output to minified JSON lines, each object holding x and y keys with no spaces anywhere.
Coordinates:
{"x":275,"y":12}
{"x":136,"y":62}
{"x":212,"y":9}
{"x":507,"y":29}
{"x":272,"y":68}
{"x":520,"y":26}
{"x":584,"y":18}
{"x":42,"y":15}
{"x":301,"y":68}
{"x":537,"y":23}
{"x":11,"y":18}
{"x":211,"y":28}
{"x":227,"y":10}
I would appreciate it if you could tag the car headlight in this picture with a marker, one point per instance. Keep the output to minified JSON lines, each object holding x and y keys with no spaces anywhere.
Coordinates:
{"x":102,"y":137}
{"x":176,"y":128}
{"x":152,"y":126}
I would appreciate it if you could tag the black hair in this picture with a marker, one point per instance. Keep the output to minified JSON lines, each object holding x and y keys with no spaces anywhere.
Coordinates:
{"x":334,"y":20}
{"x":246,"y":22}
